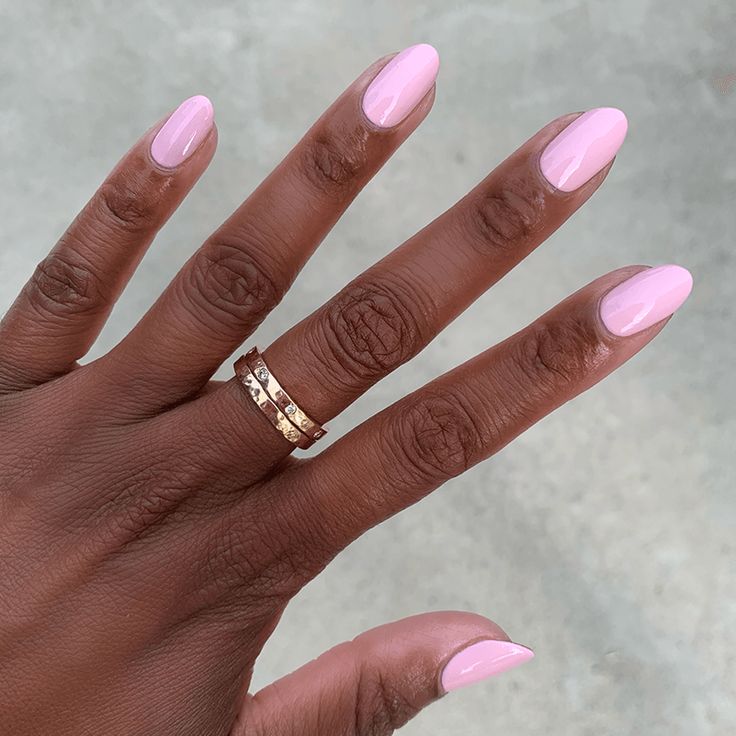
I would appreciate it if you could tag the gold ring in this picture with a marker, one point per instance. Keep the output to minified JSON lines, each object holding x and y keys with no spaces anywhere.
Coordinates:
{"x":280,"y":397}
{"x":275,"y":403}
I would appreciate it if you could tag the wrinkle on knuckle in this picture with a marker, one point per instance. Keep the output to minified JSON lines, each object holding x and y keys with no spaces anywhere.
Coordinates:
{"x":61,"y":285}
{"x":439,"y":436}
{"x":127,"y":205}
{"x":146,"y":500}
{"x":138,"y":501}
{"x":333,"y":160}
{"x":226,"y":278}
{"x":557,"y":354}
{"x":371,"y":329}
{"x":506,"y":216}
{"x":153,"y":506}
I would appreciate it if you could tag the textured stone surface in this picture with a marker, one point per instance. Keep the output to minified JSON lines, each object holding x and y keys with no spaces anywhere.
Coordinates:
{"x":604,"y":537}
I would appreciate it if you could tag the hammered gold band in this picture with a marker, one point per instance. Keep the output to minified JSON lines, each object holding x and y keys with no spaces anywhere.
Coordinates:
{"x":275,"y":403}
{"x":280,"y":397}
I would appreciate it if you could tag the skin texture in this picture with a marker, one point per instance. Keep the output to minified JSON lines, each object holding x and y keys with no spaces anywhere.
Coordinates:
{"x":153,"y":525}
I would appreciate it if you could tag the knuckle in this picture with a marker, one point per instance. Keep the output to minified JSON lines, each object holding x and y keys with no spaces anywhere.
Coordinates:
{"x":439,"y":436}
{"x":556,"y":354}
{"x":333,"y":161}
{"x":62,"y":285}
{"x":138,"y":519}
{"x":226,"y":278}
{"x":151,"y":508}
{"x":371,"y":329}
{"x":381,"y":707}
{"x":124,"y":203}
{"x":148,"y":499}
{"x":503,"y":218}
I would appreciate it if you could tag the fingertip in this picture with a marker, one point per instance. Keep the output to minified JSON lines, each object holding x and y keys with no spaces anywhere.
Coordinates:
{"x":183,"y":132}
{"x":583,"y":148}
{"x":449,"y":627}
{"x":645,"y":299}
{"x":481,"y":660}
{"x":205,"y":103}
{"x":430,"y":54}
{"x":401,"y":85}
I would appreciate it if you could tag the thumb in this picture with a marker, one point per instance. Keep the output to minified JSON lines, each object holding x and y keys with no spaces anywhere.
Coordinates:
{"x":377,"y":682}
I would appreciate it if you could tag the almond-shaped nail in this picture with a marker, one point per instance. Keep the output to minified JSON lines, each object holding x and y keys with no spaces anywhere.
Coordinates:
{"x":182,"y":133}
{"x":583,"y":148}
{"x":401,"y":85}
{"x":481,"y":660}
{"x":645,"y":299}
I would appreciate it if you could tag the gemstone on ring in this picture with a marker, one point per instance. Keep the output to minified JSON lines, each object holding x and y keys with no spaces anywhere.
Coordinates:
{"x":290,"y":409}
{"x":262,"y":374}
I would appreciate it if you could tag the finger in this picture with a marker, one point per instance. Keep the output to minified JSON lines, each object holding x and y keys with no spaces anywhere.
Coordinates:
{"x":390,"y":312}
{"x":377,"y":682}
{"x":243,"y":270}
{"x":62,"y":308}
{"x":463,"y":417}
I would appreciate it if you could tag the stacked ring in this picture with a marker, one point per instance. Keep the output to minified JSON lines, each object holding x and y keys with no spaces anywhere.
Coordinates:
{"x":275,"y":402}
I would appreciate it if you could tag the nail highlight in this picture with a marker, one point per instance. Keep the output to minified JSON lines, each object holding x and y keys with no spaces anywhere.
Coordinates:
{"x":481,"y":660}
{"x":401,"y":85}
{"x":645,"y":299}
{"x":582,"y":149}
{"x":182,"y":133}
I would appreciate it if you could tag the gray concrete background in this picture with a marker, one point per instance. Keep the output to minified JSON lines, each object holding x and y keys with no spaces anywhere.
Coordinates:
{"x":604,"y":537}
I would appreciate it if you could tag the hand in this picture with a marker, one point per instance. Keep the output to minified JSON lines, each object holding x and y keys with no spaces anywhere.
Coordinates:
{"x":154,"y":524}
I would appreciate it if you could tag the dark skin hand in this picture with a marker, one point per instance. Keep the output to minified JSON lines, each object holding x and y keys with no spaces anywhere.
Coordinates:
{"x":154,"y":525}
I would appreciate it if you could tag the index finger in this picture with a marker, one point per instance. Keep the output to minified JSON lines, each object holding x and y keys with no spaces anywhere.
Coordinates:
{"x":465,"y":416}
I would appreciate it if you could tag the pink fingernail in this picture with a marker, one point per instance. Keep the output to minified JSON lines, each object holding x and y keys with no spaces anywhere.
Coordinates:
{"x":645,"y":299}
{"x":582,"y":149}
{"x":182,"y":133}
{"x":401,"y":85}
{"x":481,"y":660}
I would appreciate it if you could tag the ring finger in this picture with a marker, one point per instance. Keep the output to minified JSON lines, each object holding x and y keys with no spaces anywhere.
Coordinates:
{"x":390,"y":312}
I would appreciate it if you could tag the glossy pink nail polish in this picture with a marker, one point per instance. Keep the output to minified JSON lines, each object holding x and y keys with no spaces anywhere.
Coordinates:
{"x":582,"y":149}
{"x":182,"y":133}
{"x":400,"y":86}
{"x":481,"y":660}
{"x":645,"y":299}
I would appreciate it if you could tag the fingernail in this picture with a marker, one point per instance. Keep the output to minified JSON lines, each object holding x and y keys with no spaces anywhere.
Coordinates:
{"x":401,"y":85}
{"x":645,"y":299}
{"x":481,"y":660}
{"x":182,"y":133}
{"x":582,"y":149}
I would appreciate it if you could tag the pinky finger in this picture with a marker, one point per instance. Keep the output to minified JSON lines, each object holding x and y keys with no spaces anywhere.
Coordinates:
{"x":377,"y":682}
{"x":64,"y":305}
